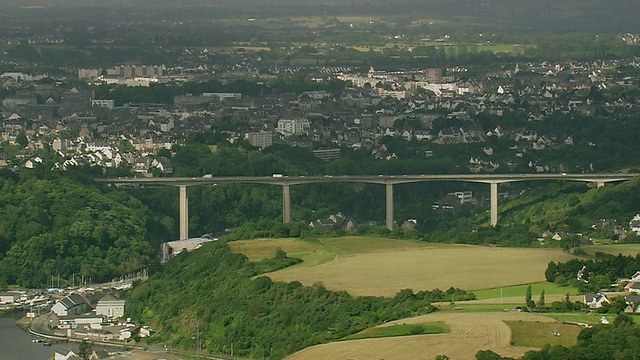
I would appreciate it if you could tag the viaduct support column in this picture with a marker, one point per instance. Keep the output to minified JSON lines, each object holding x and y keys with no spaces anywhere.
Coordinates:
{"x":184,"y":213}
{"x":600,"y":184}
{"x":389,"y":206}
{"x":286,"y":204}
{"x":494,"y":204}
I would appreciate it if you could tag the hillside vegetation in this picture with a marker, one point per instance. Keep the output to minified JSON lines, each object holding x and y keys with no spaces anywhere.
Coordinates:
{"x":211,"y":290}
{"x":59,"y":227}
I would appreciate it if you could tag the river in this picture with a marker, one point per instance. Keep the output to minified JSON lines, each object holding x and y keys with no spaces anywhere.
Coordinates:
{"x":15,"y":344}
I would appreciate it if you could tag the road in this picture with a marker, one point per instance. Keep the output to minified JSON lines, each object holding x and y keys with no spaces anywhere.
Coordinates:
{"x":373,"y":179}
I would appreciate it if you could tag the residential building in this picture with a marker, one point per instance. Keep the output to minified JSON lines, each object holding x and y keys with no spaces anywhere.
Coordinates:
{"x":465,"y":196}
{"x":108,"y":104}
{"x":596,"y":301}
{"x":434,"y":75}
{"x":132,"y":71}
{"x":327,"y":155}
{"x":289,"y":127}
{"x":261,"y":139}
{"x":89,"y":73}
{"x":223,"y":96}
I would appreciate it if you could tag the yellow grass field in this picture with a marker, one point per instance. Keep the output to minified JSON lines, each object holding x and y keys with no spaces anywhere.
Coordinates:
{"x":470,"y":332}
{"x":382,"y":267}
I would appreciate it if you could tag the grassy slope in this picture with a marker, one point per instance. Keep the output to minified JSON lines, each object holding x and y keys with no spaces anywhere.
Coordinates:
{"x":437,"y":327}
{"x":614,"y":249}
{"x":520,"y":291}
{"x":538,"y":334}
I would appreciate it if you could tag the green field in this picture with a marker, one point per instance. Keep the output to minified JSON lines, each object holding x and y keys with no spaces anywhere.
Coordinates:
{"x":585,"y":318}
{"x":614,"y":249}
{"x":473,"y":307}
{"x":438,"y":327}
{"x":521,"y":290}
{"x":537,"y":334}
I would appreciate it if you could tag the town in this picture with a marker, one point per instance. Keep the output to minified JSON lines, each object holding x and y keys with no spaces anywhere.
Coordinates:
{"x":488,"y":150}
{"x":421,"y":105}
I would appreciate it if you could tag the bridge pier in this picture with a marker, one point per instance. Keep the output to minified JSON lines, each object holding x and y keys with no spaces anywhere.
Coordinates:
{"x":184,"y":213}
{"x":600,"y":184}
{"x":286,"y":204}
{"x":494,"y":204}
{"x":389,"y":207}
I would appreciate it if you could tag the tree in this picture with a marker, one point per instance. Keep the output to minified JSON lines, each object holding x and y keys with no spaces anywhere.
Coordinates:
{"x":85,"y":350}
{"x":21,"y":139}
{"x":552,"y":272}
{"x":623,"y":319}
{"x":528,"y":299}
{"x":541,"y":301}
{"x":560,"y":280}
{"x":488,"y":355}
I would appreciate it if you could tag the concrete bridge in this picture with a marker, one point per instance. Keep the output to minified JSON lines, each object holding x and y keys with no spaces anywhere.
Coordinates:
{"x":388,"y":180}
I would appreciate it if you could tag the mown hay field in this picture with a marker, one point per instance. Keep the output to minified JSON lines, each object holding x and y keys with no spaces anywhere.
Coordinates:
{"x":469,"y":333}
{"x":382,"y":267}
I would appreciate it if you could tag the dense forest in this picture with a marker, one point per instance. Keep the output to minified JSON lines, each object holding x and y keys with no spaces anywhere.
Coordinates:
{"x":212,"y":290}
{"x":59,"y":227}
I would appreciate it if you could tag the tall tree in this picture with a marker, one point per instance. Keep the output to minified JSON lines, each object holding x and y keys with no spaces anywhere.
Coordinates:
{"x":85,"y":350}
{"x":528,"y":299}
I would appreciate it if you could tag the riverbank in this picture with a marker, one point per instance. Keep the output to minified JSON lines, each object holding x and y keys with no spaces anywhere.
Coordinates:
{"x":17,"y":344}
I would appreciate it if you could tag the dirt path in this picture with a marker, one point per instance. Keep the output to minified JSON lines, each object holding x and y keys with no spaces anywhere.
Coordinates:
{"x":470,"y":332}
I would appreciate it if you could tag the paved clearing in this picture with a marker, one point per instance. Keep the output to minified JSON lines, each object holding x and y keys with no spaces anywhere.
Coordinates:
{"x":470,"y":332}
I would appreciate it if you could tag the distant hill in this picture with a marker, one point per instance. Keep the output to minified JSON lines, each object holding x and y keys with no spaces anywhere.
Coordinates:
{"x":522,"y":15}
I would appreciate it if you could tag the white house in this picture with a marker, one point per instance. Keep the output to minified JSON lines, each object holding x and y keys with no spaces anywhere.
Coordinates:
{"x":634,"y":224}
{"x":596,"y":301}
{"x":110,"y":306}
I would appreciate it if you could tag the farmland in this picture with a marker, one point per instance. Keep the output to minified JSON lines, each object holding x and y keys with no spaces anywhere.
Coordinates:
{"x":537,"y":334}
{"x":400,"y":330}
{"x":614,"y":249}
{"x":553,"y":292}
{"x":382,"y":267}
{"x":377,"y":266}
{"x":469,"y":333}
